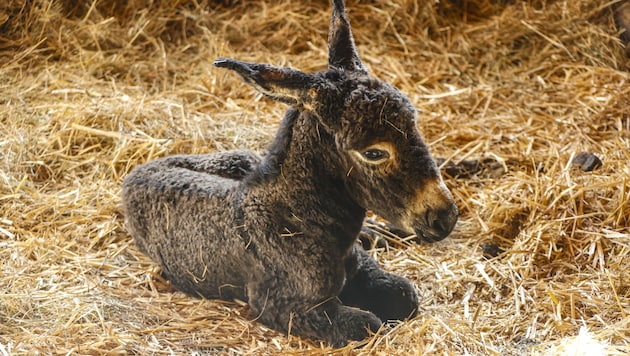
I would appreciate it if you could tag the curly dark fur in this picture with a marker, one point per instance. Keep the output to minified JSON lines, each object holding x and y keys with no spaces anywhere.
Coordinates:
{"x":280,"y":231}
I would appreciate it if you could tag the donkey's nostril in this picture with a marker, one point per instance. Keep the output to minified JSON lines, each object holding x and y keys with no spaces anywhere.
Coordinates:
{"x":442,"y":221}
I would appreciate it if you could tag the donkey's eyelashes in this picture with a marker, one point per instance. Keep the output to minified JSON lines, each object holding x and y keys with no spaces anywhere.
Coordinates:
{"x":374,"y":155}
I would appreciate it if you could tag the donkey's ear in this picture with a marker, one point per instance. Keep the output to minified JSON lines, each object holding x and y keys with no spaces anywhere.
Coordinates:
{"x":287,"y":85}
{"x":342,"y":53}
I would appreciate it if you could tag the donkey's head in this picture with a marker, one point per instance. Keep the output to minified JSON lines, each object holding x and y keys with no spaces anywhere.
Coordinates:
{"x":386,"y":165}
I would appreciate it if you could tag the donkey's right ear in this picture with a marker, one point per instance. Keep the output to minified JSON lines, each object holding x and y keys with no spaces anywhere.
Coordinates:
{"x":287,"y":85}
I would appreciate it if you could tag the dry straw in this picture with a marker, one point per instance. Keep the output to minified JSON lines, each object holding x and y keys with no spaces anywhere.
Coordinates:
{"x":90,"y":90}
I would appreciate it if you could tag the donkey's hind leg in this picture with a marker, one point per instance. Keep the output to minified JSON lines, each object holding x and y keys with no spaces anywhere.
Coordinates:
{"x":162,"y":200}
{"x":388,"y":296}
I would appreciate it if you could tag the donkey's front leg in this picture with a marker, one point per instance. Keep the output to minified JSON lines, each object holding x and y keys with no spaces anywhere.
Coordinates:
{"x":368,"y":287}
{"x":327,"y":320}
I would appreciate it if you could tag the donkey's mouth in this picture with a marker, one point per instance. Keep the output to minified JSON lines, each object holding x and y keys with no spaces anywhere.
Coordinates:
{"x":435,"y":224}
{"x":425,"y":236}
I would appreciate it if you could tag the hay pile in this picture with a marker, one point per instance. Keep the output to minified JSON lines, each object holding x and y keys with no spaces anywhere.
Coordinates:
{"x":89,"y":91}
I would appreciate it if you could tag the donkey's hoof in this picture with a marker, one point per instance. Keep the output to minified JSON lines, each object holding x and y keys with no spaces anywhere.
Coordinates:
{"x":354,"y":325}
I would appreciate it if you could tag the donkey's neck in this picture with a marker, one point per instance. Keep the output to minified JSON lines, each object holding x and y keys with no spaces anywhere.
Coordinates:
{"x":302,"y":166}
{"x":301,"y":151}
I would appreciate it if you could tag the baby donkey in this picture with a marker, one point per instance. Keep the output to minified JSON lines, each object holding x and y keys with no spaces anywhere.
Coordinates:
{"x":280,"y":231}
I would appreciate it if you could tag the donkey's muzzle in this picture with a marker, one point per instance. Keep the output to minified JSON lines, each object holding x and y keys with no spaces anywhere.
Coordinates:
{"x":439,"y":223}
{"x":433,"y":213}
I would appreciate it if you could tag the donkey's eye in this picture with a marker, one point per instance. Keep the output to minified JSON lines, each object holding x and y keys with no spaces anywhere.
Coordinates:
{"x":375,"y":155}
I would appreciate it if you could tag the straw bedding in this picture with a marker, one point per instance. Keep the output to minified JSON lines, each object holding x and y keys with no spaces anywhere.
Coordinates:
{"x":541,"y":251}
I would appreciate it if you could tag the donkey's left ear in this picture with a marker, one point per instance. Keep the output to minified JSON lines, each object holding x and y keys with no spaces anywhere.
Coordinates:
{"x":287,"y":85}
{"x":342,"y":52}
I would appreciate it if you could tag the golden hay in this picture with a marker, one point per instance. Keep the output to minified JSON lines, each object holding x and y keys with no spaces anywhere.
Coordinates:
{"x":89,"y":91}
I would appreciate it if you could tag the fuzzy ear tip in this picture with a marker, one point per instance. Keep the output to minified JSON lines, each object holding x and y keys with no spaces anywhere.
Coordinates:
{"x":339,"y":4}
{"x":339,"y":7}
{"x":223,"y":62}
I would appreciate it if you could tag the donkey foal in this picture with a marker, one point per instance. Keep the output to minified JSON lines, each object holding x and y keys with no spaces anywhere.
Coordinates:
{"x":280,"y":231}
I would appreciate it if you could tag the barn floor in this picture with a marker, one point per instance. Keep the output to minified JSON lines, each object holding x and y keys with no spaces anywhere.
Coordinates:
{"x":542,"y":247}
